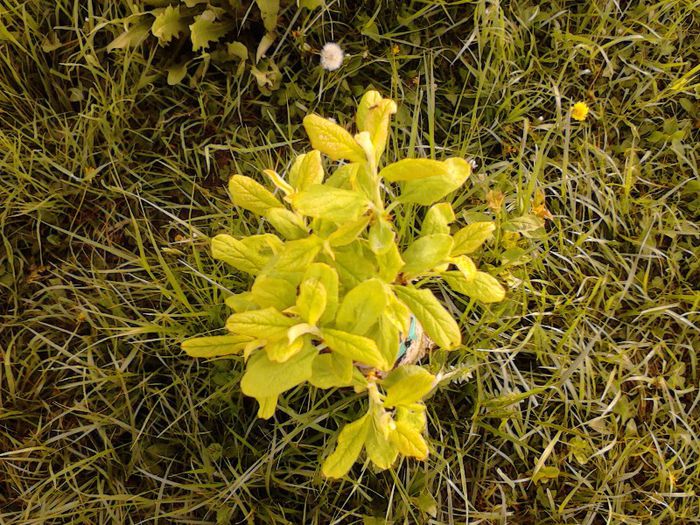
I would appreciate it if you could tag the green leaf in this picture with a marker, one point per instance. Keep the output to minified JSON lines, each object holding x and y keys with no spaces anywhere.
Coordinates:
{"x":296,"y":256}
{"x":471,"y":237}
{"x":311,"y":4}
{"x":348,"y":232}
{"x":350,"y":442}
{"x":381,"y":236}
{"x":373,"y":115}
{"x":241,"y":302}
{"x":312,"y":300}
{"x":438,"y":219}
{"x":398,"y":314}
{"x":306,"y":171}
{"x":264,"y":378}
{"x":331,"y":370}
{"x":287,"y":223}
{"x":248,"y":255}
{"x":390,"y":263}
{"x":251,"y":196}
{"x":176,"y":73}
{"x":168,"y":24}
{"x":268,"y":323}
{"x":414,"y":169}
{"x":327,"y":276}
{"x":353,"y":264}
{"x":216,"y":345}
{"x":267,"y":407}
{"x":333,"y":204}
{"x":408,"y":441}
{"x":426,"y":253}
{"x":362,"y":306}
{"x":380,"y":450}
{"x":466,"y":266}
{"x":132,"y":37}
{"x":275,"y":291}
{"x":427,"y":191}
{"x":205,"y":29}
{"x":437,"y":322}
{"x":386,"y":335}
{"x":269,"y":9}
{"x":356,"y":347}
{"x":406,"y":385}
{"x":482,"y":287}
{"x":329,"y":138}
{"x":282,"y":350}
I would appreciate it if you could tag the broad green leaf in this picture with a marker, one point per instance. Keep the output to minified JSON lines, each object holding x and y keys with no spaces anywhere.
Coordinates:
{"x":344,"y":176}
{"x":398,"y":314}
{"x":414,"y":169}
{"x":306,"y":171}
{"x":353,"y":264}
{"x":356,"y":347}
{"x":331,"y":370}
{"x":390,"y":263}
{"x":267,"y":323}
{"x":437,"y":322}
{"x":251,"y":195}
{"x":300,"y":330}
{"x":348,"y":232}
{"x":471,"y":237}
{"x":265,"y":43}
{"x":482,"y":287}
{"x":241,"y":302}
{"x":333,"y":204}
{"x":296,"y":256}
{"x":288,"y":223}
{"x":427,"y":191}
{"x":406,"y":385}
{"x":350,"y":442}
{"x":386,"y":335}
{"x":249,"y":254}
{"x":176,"y":73}
{"x":329,"y":138}
{"x":275,"y":291}
{"x":206,"y":29}
{"x":409,"y":441}
{"x":282,"y":350}
{"x":132,"y":37}
{"x":362,"y":306}
{"x":269,"y":9}
{"x":264,"y":378}
{"x":216,"y":345}
{"x":466,"y":266}
{"x":267,"y":407}
{"x":278,"y":181}
{"x":381,"y":236}
{"x":413,"y":416}
{"x":373,"y":115}
{"x":312,"y":300}
{"x":438,"y":219}
{"x":426,"y":253}
{"x":380,"y":450}
{"x":168,"y":24}
{"x":329,"y":278}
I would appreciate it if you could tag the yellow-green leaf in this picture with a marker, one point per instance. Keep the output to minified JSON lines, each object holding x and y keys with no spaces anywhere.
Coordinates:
{"x":267,"y":323}
{"x":312,"y":300}
{"x":437,"y":322}
{"x":471,"y":237}
{"x":466,"y":266}
{"x":306,"y":171}
{"x":327,"y":276}
{"x":482,"y":287}
{"x":282,"y":350}
{"x":373,"y":115}
{"x":206,"y":29}
{"x":132,"y":37}
{"x":381,"y":236}
{"x":438,"y":219}
{"x":267,"y":407}
{"x":380,"y":450}
{"x":264,"y":378}
{"x":362,"y":306}
{"x":216,"y":345}
{"x":356,"y":347}
{"x":350,"y":442}
{"x":426,"y":253}
{"x":353,"y":264}
{"x":390,"y":263}
{"x":287,"y":223}
{"x":251,"y":195}
{"x":348,"y":232}
{"x":386,"y":335}
{"x":333,"y":204}
{"x":414,"y":169}
{"x":329,"y":138}
{"x":409,"y":441}
{"x":241,"y":302}
{"x":269,"y":9}
{"x":407,"y":384}
{"x":432,"y":189}
{"x":168,"y":24}
{"x":331,"y":370}
{"x":248,"y":255}
{"x":275,"y":291}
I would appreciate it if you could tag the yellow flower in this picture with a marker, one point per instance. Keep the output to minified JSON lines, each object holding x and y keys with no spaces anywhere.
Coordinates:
{"x":579,"y":111}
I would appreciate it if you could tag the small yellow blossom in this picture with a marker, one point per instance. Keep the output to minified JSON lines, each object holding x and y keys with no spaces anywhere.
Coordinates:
{"x":395,"y":49}
{"x":579,"y":111}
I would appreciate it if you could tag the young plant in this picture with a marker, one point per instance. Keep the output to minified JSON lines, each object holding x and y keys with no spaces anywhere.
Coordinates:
{"x":334,"y":293}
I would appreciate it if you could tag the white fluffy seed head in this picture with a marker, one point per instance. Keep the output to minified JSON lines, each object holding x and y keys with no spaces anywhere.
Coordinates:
{"x":331,"y":56}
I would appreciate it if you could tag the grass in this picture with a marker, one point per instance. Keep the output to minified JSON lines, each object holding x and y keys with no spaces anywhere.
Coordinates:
{"x":575,"y":401}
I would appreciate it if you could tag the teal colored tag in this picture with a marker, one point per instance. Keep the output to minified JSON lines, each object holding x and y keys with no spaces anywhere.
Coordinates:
{"x":409,"y":340}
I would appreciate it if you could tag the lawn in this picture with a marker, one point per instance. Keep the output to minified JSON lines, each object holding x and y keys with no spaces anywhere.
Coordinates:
{"x":574,"y":401}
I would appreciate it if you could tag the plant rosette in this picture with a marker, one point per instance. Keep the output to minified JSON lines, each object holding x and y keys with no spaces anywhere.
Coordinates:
{"x":335,"y":301}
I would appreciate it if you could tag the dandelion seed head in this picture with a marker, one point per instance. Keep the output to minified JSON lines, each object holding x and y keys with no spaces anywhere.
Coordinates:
{"x":331,"y":56}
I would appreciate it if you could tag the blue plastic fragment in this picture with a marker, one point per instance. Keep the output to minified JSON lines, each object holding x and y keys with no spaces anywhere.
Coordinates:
{"x":409,"y":340}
